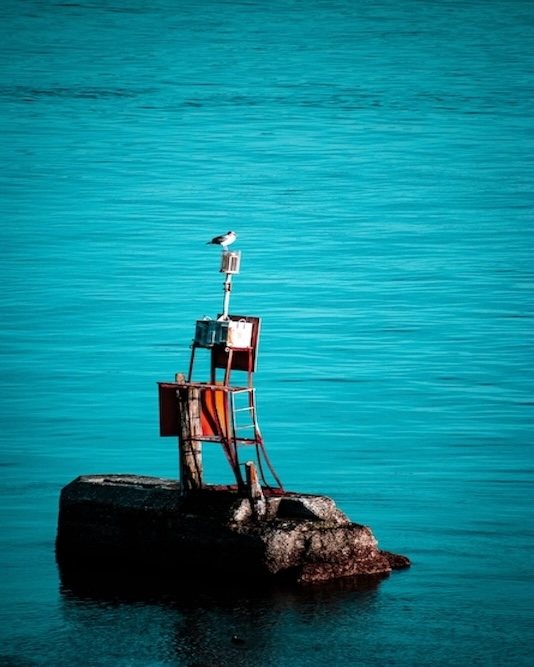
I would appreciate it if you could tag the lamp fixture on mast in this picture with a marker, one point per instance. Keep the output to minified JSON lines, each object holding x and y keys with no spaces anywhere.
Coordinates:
{"x":230,"y":262}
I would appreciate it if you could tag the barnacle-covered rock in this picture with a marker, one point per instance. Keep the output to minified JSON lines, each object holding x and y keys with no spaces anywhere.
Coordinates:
{"x":135,"y":520}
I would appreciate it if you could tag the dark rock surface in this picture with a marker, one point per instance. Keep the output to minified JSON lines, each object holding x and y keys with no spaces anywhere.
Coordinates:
{"x":131,"y":520}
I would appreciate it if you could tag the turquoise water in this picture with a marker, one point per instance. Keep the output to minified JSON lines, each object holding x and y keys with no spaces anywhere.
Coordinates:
{"x":374,"y":158}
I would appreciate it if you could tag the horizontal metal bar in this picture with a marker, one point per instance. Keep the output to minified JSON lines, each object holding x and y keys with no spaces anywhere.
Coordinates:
{"x":217,"y":441}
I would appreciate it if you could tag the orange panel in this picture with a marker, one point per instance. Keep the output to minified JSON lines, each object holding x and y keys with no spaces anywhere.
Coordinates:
{"x":214,"y":414}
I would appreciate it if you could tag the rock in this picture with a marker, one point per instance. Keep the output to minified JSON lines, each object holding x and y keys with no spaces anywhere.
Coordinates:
{"x":396,"y":561}
{"x":129,"y":519}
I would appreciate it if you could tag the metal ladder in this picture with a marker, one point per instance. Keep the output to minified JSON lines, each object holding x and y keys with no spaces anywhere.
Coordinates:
{"x":251,"y":426}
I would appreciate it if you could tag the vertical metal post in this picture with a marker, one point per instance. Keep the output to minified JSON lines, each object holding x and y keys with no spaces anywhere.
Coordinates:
{"x":226,"y":299}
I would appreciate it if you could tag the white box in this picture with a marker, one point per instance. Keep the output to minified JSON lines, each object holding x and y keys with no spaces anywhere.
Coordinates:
{"x":239,"y":333}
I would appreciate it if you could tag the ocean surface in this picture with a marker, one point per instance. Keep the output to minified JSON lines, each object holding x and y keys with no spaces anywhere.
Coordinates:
{"x":375,"y":159}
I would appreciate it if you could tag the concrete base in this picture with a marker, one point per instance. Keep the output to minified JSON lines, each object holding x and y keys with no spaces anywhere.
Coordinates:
{"x":130,"y":520}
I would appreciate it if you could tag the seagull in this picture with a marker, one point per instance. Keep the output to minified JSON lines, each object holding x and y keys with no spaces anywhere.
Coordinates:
{"x":223,"y":240}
